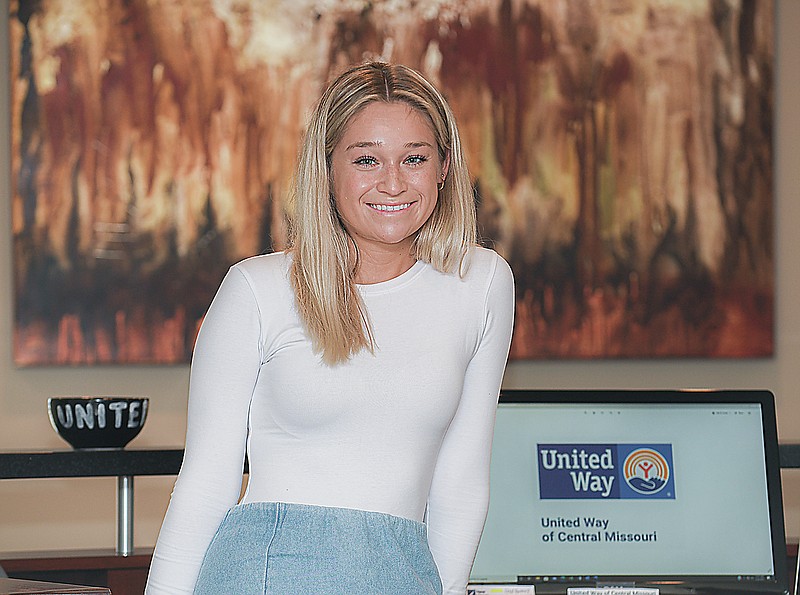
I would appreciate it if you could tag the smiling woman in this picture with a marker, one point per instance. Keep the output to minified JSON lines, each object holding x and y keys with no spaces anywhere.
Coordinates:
{"x":309,"y":362}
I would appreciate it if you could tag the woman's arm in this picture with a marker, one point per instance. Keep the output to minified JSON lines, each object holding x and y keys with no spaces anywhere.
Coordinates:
{"x":225,"y":366}
{"x":459,"y":496}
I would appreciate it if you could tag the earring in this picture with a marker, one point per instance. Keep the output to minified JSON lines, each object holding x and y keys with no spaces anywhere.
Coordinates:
{"x":440,"y":186}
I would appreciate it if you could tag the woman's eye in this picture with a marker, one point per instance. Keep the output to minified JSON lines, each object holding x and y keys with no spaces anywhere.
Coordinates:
{"x":365,"y":160}
{"x":416,"y":159}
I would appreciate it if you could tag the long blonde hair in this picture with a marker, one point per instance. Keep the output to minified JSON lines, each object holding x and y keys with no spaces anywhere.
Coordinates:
{"x":323,"y":266}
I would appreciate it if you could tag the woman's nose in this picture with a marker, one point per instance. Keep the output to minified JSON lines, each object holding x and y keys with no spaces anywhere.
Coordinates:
{"x":392,"y":180}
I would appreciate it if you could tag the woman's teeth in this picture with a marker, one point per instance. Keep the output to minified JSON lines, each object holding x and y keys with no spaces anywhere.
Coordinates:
{"x":390,"y":207}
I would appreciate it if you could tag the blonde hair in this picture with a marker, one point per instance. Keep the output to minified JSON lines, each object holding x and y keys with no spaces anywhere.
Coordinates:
{"x":324,"y":262}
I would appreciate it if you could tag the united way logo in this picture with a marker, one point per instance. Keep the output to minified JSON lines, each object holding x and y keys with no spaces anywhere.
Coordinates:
{"x":646,"y":471}
{"x":605,"y":471}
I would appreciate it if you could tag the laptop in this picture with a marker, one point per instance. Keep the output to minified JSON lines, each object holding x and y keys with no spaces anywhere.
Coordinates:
{"x":675,"y":490}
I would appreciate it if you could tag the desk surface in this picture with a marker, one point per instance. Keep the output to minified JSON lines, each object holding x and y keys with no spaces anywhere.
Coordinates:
{"x":89,"y":463}
{"x":15,"y":586}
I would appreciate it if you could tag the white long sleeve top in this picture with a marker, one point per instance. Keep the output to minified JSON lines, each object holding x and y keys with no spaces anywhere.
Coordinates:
{"x":405,"y":430}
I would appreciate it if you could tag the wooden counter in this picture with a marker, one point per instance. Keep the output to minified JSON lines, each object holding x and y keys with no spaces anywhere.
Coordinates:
{"x":124,"y":575}
{"x":13,"y":586}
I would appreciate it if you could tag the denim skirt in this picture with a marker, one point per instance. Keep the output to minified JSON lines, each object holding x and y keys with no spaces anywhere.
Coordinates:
{"x":277,"y":548}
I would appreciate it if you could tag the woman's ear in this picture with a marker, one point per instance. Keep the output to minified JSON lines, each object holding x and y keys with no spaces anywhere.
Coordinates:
{"x":445,"y":165}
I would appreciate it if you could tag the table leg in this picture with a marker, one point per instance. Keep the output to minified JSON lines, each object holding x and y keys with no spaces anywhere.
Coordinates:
{"x":125,"y":515}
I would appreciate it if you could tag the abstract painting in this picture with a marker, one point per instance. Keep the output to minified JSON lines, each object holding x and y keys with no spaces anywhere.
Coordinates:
{"x":621,"y":152}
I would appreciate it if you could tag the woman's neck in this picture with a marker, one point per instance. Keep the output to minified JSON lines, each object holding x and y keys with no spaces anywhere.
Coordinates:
{"x":376,"y":267}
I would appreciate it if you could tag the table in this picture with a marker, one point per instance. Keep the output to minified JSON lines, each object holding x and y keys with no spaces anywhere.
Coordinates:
{"x":120,"y":463}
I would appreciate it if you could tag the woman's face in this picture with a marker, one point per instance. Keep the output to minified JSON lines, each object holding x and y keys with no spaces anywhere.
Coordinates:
{"x":385,"y":172}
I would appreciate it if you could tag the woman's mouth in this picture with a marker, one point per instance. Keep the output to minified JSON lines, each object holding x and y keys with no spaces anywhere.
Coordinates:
{"x":389,"y":208}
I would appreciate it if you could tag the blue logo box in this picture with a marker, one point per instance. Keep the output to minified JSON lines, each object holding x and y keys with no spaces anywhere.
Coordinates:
{"x":605,"y":471}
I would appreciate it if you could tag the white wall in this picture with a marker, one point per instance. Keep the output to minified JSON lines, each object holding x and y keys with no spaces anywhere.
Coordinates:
{"x":50,"y":514}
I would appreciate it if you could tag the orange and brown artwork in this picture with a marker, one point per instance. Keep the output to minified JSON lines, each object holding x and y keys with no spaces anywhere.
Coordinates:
{"x":621,"y":152}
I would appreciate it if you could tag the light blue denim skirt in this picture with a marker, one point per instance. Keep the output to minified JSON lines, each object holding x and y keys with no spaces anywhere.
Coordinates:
{"x":295,"y":549}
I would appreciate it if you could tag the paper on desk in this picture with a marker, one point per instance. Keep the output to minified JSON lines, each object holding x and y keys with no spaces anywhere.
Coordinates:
{"x":501,"y":590}
{"x":611,"y":591}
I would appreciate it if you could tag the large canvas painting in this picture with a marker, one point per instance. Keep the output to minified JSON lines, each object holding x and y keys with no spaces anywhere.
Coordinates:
{"x":621,"y":152}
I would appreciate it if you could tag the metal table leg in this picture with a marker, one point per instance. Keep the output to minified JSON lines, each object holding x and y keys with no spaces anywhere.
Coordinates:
{"x":125,"y":515}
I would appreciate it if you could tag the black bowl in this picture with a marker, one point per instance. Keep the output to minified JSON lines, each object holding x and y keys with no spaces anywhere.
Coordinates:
{"x":97,"y":422}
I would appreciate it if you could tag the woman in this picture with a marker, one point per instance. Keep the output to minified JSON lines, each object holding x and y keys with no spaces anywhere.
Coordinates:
{"x":359,"y":370}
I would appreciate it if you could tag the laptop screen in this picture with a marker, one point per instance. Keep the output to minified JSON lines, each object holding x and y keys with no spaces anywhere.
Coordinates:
{"x":635,"y":487}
